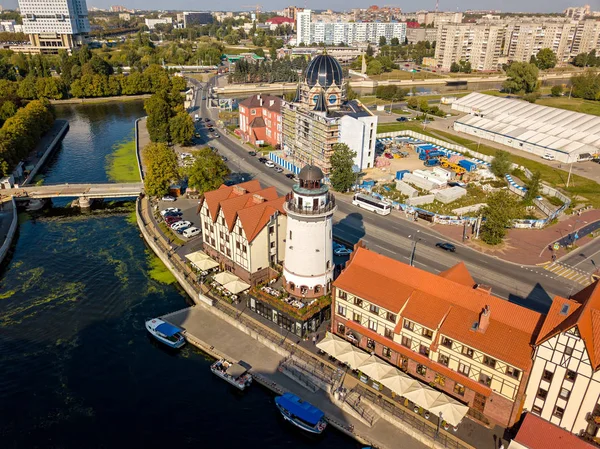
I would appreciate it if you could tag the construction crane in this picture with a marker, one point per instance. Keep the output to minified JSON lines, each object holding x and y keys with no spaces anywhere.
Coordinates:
{"x":257,"y":8}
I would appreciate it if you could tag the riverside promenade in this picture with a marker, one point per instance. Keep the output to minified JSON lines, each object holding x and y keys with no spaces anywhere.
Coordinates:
{"x":280,"y":364}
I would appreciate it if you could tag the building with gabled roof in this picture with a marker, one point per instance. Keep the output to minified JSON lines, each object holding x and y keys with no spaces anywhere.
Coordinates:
{"x":261,"y":120}
{"x":244,"y":228}
{"x":564,"y":386}
{"x":443,"y":329}
{"x":537,"y":433}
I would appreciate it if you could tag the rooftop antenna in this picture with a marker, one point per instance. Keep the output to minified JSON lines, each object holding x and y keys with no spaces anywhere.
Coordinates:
{"x":437,"y":5}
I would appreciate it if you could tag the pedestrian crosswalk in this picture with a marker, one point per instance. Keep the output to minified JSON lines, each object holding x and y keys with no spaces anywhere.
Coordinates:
{"x":571,"y":273}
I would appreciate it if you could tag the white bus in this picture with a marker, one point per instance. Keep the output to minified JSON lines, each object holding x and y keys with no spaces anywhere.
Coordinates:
{"x":372,"y":204}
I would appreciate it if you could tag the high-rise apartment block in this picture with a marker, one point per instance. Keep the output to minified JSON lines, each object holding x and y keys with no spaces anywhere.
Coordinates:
{"x":577,"y":12}
{"x":54,"y":25}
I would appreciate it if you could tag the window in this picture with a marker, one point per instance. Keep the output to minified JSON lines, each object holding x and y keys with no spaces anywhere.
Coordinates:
{"x":459,"y":389}
{"x":440,"y":380}
{"x":253,"y":111}
{"x":406,"y":341}
{"x":389,"y":333}
{"x":341,"y":328}
{"x":424,"y":350}
{"x":271,"y":230}
{"x":290,"y":235}
{"x":391,"y":317}
{"x":421,"y":370}
{"x":370,"y":344}
{"x":443,"y":359}
{"x":373,"y":325}
{"x":272,"y":244}
{"x":427,"y":333}
{"x":564,"y":393}
{"x":244,"y":248}
{"x":358,"y":302}
{"x":547,"y":376}
{"x":489,"y":361}
{"x":408,"y":325}
{"x":356,"y":317}
{"x":513,"y":372}
{"x":541,"y":393}
{"x":374,"y":309}
{"x":537,"y":410}
{"x":342,"y":295}
{"x":341,"y":310}
{"x":571,"y":375}
{"x":387,"y":352}
{"x":558,"y":412}
{"x":485,"y":379}
{"x":467,"y":351}
{"x":568,"y":350}
{"x":237,"y":245}
{"x":464,"y":369}
{"x":446,"y":342}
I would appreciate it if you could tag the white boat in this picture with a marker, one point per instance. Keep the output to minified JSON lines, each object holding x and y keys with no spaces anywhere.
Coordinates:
{"x":165,"y":333}
{"x":35,"y":204}
{"x":233,"y":373}
{"x":300,"y":413}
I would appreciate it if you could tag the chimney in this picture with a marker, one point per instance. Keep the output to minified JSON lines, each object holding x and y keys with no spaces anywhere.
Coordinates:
{"x":484,"y":319}
{"x":239,"y":190}
{"x":257,"y":199}
{"x":484,"y":288}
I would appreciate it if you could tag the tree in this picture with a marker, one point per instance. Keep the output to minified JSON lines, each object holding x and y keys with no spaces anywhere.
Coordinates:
{"x":533,"y":189}
{"x":182,"y":128}
{"x":342,"y":176}
{"x":395,"y":42}
{"x":455,"y":67}
{"x":159,"y":112}
{"x":556,"y":91}
{"x":423,"y":105}
{"x":207,"y":172}
{"x":99,"y":66}
{"x":522,"y":77}
{"x":382,"y":41}
{"x":587,"y":85}
{"x":369,"y":50}
{"x":413,"y":102}
{"x":161,"y":168}
{"x":545,"y":59}
{"x":501,"y":164}
{"x":351,"y":94}
{"x":531,"y":97}
{"x":374,"y":67}
{"x":502,"y":207}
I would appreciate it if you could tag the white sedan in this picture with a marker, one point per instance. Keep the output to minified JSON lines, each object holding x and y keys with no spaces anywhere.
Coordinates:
{"x":180,"y":224}
{"x":269,"y":164}
{"x":169,"y":209}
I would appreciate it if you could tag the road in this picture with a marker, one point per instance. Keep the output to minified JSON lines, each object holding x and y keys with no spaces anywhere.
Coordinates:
{"x":394,"y":236}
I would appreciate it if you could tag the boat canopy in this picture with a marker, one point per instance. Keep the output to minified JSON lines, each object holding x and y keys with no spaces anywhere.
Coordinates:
{"x":167,"y":329}
{"x":236,"y":370}
{"x":303,"y":410}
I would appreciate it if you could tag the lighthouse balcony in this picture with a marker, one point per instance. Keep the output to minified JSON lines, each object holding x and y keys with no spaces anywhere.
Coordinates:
{"x":310,"y":208}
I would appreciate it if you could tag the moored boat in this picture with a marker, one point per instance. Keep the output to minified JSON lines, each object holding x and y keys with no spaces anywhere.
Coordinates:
{"x":300,"y":413}
{"x":35,"y":204}
{"x":233,"y":373}
{"x":165,"y":333}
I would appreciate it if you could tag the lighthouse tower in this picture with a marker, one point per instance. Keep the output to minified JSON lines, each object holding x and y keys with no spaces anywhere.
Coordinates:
{"x":308,"y":264}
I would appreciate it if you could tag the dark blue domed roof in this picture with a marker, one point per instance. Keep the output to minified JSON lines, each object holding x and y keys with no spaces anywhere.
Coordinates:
{"x":325,"y":70}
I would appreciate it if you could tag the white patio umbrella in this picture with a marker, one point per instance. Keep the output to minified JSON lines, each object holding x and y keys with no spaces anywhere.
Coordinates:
{"x":423,"y":396}
{"x":225,"y":277}
{"x":236,"y":286}
{"x":334,"y":346}
{"x":206,"y":264}
{"x":354,"y":358}
{"x":398,"y":382}
{"x":376,"y":368}
{"x":197,"y":256}
{"x":452,"y":411}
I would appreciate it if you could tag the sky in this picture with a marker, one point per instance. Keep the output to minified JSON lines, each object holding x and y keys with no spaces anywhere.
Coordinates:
{"x":341,"y":5}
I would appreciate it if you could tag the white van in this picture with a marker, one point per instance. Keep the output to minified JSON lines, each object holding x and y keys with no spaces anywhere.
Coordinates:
{"x":191,"y":232}
{"x":548,"y":157}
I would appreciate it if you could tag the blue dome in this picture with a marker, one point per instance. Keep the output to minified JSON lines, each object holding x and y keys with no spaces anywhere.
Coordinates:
{"x":325,"y":70}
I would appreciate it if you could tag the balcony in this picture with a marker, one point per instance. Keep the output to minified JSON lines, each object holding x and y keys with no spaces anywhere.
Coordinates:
{"x":291,"y":206}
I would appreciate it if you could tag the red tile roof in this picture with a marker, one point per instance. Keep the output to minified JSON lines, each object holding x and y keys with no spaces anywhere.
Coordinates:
{"x":278,"y":20}
{"x":214,"y":197}
{"x":270,"y":102}
{"x":459,"y":273}
{"x":581,"y":310}
{"x":537,"y":433}
{"x":443,"y":303}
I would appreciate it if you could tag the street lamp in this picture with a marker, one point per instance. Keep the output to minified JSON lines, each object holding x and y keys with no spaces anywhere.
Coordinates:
{"x":439,"y":423}
{"x":414,"y":248}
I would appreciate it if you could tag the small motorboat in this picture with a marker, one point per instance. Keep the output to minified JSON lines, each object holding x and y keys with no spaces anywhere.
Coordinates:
{"x":35,"y":204}
{"x":165,"y":333}
{"x":233,"y":373}
{"x":300,"y":413}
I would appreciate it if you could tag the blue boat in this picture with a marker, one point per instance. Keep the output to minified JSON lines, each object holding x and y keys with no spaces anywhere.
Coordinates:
{"x":165,"y":333}
{"x":302,"y":414}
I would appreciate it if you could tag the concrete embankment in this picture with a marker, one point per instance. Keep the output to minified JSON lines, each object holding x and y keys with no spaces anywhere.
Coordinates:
{"x":9,"y":222}
{"x":100,"y":99}
{"x":56,"y":134}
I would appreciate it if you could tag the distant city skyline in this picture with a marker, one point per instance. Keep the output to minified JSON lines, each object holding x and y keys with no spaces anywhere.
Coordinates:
{"x":542,"y":6}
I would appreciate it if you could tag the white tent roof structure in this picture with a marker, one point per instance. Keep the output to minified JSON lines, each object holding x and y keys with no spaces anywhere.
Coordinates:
{"x":334,"y":346}
{"x":376,"y":368}
{"x":205,"y":264}
{"x":451,"y":411}
{"x":353,"y":358}
{"x":237,"y":286}
{"x":225,"y":277}
{"x":422,"y":395}
{"x":398,"y":382}
{"x":197,"y":256}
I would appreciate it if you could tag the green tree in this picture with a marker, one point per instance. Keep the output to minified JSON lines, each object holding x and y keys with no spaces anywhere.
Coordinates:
{"x":99,"y":66}
{"x":374,"y":67}
{"x":587,"y":85}
{"x":395,"y":42}
{"x":501,"y":164}
{"x":369,"y":51}
{"x":531,"y":97}
{"x":413,"y":102}
{"x":556,"y":91}
{"x":454,"y":67}
{"x":545,"y":59}
{"x":342,"y":177}
{"x":502,"y":207}
{"x":7,"y":110}
{"x":522,"y":77}
{"x":533,"y":188}
{"x":181,"y":127}
{"x":350,"y":93}
{"x":208,"y":171}
{"x":424,"y":105}
{"x":159,"y":113}
{"x":161,"y":168}
{"x":382,"y":41}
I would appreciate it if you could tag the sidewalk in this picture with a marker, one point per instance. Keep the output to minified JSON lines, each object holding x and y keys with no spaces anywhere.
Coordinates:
{"x":530,"y":246}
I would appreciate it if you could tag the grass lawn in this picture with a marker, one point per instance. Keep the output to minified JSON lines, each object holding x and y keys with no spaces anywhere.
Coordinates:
{"x":579,"y":185}
{"x":122,"y":165}
{"x":572,"y":104}
{"x":404,"y":75}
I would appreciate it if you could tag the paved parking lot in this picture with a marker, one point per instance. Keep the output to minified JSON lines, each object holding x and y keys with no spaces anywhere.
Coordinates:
{"x":188,"y":208}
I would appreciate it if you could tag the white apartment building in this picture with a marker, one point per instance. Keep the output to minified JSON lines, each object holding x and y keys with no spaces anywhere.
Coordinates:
{"x":244,"y":228}
{"x":55,"y":24}
{"x":303,"y":19}
{"x":438,"y":18}
{"x":151,"y":23}
{"x":564,"y":385}
{"x":577,"y":12}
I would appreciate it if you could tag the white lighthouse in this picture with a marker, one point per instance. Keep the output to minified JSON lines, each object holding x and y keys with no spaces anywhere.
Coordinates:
{"x":308,"y":265}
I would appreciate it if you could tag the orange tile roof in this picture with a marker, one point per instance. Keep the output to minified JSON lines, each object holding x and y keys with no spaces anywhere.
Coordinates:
{"x":254,"y":219}
{"x":584,"y":312}
{"x":459,"y":273}
{"x":537,"y":433}
{"x":443,"y":303}
{"x":214,"y":197}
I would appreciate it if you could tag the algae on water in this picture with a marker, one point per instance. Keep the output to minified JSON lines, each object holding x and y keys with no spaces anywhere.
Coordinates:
{"x":122,"y":164}
{"x":158,"y":271}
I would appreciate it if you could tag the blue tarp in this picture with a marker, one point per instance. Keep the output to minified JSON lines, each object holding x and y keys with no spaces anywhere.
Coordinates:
{"x":303,"y":410}
{"x":167,"y":329}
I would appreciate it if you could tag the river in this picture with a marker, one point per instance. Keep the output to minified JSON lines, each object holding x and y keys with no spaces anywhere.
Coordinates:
{"x":78,"y":369}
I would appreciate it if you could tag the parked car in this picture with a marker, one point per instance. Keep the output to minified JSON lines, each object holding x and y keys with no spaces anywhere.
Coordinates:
{"x":181,"y":229}
{"x":426,"y":122}
{"x":548,"y":157}
{"x":269,"y":164}
{"x":342,"y":251}
{"x":169,"y":209}
{"x":252,"y":153}
{"x":172,"y":214}
{"x":224,"y":158}
{"x":446,"y":246}
{"x":389,"y":155}
{"x":211,"y":130}
{"x":171,"y":220}
{"x":402,"y":119}
{"x":191,"y":232}
{"x":278,"y":169}
{"x":168,"y":198}
{"x":262,"y":160}
{"x":290,"y":176}
{"x":180,"y":224}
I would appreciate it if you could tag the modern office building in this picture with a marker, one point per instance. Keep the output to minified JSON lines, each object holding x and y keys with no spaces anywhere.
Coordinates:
{"x":55,"y":25}
{"x":319,"y":117}
{"x":196,"y":18}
